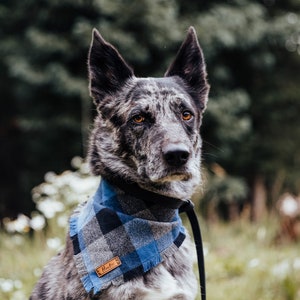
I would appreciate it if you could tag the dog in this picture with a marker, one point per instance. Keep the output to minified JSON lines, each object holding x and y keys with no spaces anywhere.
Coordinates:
{"x":146,"y":146}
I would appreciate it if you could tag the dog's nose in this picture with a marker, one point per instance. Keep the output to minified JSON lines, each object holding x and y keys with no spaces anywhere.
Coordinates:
{"x":176,"y":155}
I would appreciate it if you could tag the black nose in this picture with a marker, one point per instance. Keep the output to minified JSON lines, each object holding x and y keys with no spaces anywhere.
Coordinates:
{"x":176,"y":155}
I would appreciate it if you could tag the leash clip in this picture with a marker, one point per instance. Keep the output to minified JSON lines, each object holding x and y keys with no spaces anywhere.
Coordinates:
{"x":187,"y":205}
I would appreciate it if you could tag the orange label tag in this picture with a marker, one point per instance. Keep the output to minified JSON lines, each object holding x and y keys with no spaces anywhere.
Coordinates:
{"x":108,"y":266}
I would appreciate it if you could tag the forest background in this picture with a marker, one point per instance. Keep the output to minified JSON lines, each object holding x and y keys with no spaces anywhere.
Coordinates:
{"x":251,"y":128}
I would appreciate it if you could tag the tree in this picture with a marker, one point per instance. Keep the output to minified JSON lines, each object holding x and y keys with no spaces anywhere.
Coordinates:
{"x":43,"y":51}
{"x":251,"y":127}
{"x":252,"y":59}
{"x":41,"y":77}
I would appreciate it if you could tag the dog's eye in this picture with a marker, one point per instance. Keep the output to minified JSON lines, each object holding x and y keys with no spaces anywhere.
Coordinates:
{"x":138,"y":119}
{"x":186,"y":115}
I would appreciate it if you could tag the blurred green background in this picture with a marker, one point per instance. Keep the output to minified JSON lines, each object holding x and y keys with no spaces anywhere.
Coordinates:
{"x":251,"y":129}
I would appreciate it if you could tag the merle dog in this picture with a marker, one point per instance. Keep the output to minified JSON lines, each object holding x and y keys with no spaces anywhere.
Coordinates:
{"x":146,"y":146}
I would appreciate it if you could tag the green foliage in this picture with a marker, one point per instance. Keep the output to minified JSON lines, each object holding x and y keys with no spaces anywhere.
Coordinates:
{"x":252,"y":51}
{"x":224,"y":195}
{"x":290,"y":288}
{"x":244,"y":265}
{"x":43,"y":51}
{"x":226,"y":124}
{"x":226,"y":189}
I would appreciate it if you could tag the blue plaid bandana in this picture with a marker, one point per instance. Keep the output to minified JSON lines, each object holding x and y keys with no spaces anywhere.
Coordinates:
{"x":117,"y":238}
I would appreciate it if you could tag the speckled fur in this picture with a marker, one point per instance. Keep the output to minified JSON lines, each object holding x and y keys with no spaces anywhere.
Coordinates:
{"x":122,"y":149}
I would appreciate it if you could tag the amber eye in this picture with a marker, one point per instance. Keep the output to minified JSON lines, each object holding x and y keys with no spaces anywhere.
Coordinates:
{"x":186,"y":115}
{"x":138,"y":119}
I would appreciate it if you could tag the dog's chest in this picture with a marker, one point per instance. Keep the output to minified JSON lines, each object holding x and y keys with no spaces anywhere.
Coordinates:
{"x":173,"y":279}
{"x":145,"y":238}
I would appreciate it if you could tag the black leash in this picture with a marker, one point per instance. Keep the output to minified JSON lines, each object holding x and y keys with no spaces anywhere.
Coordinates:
{"x":188,"y":208}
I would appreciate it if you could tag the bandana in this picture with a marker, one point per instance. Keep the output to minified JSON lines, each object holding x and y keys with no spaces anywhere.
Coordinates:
{"x":117,"y":238}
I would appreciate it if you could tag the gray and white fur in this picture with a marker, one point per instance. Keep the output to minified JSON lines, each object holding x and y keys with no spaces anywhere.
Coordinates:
{"x":147,"y":132}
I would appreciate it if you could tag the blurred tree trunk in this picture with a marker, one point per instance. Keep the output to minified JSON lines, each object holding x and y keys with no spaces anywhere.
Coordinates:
{"x":259,"y":199}
{"x":277,"y":186}
{"x":233,"y":211}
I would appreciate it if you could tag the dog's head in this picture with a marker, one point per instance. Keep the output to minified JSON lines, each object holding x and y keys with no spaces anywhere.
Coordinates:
{"x":147,"y":129}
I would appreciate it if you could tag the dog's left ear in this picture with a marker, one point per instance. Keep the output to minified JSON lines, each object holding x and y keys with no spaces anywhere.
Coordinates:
{"x":108,"y":71}
{"x":189,"y":65}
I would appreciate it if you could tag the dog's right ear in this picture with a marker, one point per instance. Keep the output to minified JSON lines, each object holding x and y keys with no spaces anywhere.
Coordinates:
{"x":107,"y":69}
{"x":190,"y":66}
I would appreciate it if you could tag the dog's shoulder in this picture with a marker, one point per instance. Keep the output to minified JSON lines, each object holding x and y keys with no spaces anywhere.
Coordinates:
{"x":60,"y":278}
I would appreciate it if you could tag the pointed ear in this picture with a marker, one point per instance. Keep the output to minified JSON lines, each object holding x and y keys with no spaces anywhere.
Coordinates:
{"x":107,"y":69}
{"x":189,"y":65}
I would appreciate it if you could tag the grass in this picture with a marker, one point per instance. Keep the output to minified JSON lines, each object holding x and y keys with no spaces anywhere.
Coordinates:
{"x":22,"y":259}
{"x":242,"y":262}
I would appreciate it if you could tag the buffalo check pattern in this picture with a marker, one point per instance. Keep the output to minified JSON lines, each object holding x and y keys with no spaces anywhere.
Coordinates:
{"x":111,"y":226}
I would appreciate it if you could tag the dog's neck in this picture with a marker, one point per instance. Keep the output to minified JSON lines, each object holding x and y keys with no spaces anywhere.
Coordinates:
{"x":118,"y":225}
{"x":166,"y":205}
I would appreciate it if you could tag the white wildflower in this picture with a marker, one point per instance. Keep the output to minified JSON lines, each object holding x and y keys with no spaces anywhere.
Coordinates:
{"x":85,"y":169}
{"x":21,"y":224}
{"x":37,"y":222}
{"x":18,"y":284}
{"x":289,"y":206}
{"x":54,"y":243}
{"x":6,"y":285}
{"x":76,"y":162}
{"x":49,"y":207}
{"x":206,"y":247}
{"x":49,"y":189}
{"x":36,"y":195}
{"x":50,"y":177}
{"x":296,"y":263}
{"x":17,"y":239}
{"x":64,"y":179}
{"x":253,"y":263}
{"x":84,"y":185}
{"x":62,"y":221}
{"x":37,"y":272}
{"x":281,"y":269}
{"x":18,"y":295}
{"x":261,"y":233}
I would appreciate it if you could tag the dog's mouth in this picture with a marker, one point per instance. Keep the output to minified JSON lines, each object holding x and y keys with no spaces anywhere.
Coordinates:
{"x":172,"y":176}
